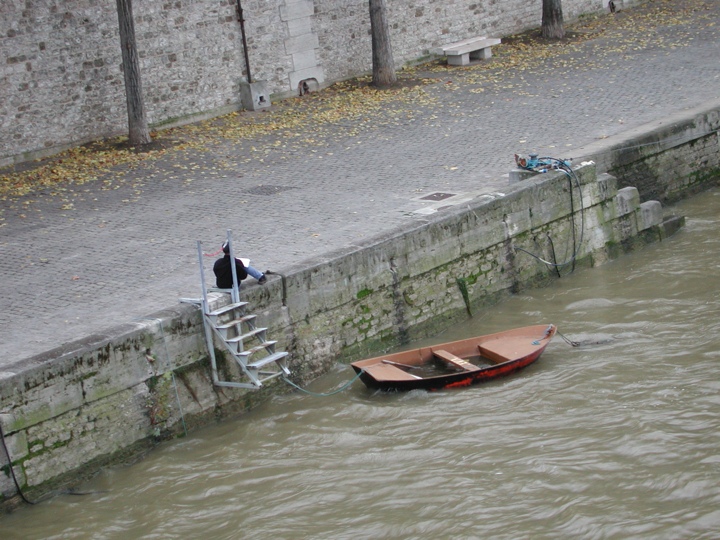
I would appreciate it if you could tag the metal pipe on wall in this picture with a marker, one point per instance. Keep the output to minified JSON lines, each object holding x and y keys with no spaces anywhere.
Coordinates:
{"x":241,"y":18}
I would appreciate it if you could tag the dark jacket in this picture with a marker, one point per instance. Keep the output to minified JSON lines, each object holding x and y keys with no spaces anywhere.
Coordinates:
{"x":223,"y":272}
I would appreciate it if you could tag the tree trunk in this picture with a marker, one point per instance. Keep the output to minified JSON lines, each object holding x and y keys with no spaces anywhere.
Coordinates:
{"x":552,"y":20}
{"x":137,"y":121}
{"x":382,"y":56}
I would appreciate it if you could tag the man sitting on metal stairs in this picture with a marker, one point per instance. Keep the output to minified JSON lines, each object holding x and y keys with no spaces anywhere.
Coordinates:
{"x":223,"y":270}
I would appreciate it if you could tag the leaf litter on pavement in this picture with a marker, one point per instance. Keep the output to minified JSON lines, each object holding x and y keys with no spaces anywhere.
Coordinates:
{"x":351,"y":107}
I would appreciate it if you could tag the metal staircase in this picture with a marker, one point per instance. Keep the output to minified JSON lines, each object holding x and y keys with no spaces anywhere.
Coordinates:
{"x":235,"y":330}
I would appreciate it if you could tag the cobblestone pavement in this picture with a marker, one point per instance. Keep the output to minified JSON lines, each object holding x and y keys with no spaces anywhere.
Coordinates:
{"x":114,"y":251}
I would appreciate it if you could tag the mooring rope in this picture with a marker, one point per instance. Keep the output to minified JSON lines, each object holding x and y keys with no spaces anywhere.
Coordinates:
{"x":568,"y":341}
{"x":172,"y":372}
{"x":10,"y":467}
{"x":320,"y":394}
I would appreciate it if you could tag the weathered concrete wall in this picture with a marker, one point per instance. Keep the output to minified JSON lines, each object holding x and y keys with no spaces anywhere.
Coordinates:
{"x":676,"y":159}
{"x":73,"y":409}
{"x":61,"y":80}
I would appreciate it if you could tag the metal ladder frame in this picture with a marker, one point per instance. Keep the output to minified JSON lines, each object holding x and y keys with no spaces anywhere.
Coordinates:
{"x":251,"y":370}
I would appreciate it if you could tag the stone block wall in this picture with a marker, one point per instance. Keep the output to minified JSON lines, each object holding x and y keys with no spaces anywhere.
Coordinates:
{"x":670,"y":162}
{"x":71,"y":410}
{"x":688,"y":168}
{"x":61,"y":80}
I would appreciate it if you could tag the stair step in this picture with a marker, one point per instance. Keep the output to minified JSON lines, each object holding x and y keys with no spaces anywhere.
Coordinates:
{"x":271,"y":376}
{"x":234,"y":322}
{"x":263,"y":347}
{"x":226,"y":309}
{"x":267,"y":360}
{"x":237,"y":340}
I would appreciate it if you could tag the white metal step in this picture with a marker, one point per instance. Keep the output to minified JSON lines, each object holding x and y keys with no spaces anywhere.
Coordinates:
{"x":267,"y":360}
{"x":230,"y":324}
{"x":271,"y":376}
{"x":237,"y":341}
{"x":226,"y":309}
{"x":247,"y":352}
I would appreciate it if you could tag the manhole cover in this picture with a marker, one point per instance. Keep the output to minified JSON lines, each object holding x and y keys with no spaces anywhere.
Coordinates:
{"x":267,"y":189}
{"x":437,"y":196}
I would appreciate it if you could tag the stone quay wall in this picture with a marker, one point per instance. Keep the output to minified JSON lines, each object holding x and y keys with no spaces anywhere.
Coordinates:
{"x":61,"y":78}
{"x":677,"y":159}
{"x":68,"y":412}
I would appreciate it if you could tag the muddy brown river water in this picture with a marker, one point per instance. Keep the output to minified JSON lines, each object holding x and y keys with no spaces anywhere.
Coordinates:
{"x":618,"y":438}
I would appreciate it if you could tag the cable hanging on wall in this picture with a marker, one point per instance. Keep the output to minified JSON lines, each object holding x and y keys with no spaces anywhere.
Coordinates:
{"x":545,"y":164}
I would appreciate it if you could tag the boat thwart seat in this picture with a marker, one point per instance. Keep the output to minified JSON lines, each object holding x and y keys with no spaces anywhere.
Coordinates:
{"x":499,"y":350}
{"x":455,"y":361}
{"x":388,"y":372}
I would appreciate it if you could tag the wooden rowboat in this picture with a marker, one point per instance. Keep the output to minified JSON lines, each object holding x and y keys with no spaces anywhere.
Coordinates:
{"x":457,"y":363}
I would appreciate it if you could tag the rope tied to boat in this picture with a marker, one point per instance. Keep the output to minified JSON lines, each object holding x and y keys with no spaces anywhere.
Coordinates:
{"x":568,"y":341}
{"x":324,"y":394}
{"x":548,"y":331}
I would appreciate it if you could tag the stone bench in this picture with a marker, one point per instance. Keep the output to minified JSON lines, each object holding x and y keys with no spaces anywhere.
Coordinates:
{"x":461,"y":52}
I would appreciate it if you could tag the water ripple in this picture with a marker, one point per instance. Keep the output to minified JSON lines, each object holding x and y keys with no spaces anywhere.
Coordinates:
{"x":615,"y":439}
